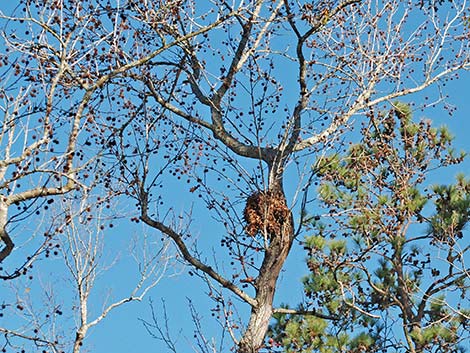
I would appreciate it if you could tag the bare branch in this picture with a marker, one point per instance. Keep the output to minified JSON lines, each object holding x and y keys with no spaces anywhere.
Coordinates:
{"x":178,"y":239}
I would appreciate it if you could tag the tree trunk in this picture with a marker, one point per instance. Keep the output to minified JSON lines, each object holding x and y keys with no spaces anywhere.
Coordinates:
{"x":261,"y":313}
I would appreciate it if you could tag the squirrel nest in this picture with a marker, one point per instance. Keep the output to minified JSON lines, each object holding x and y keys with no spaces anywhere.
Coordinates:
{"x":265,"y":212}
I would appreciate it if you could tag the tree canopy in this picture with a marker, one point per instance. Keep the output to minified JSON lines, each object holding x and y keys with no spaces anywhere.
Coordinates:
{"x":239,"y":132}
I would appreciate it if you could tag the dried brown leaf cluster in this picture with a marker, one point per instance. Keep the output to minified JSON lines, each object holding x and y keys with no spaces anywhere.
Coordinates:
{"x":266,"y":212}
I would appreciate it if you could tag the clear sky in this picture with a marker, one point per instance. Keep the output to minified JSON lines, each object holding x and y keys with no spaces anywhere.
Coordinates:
{"x":123,"y":331}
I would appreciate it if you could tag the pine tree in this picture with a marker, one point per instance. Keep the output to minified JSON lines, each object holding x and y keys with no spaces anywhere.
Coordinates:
{"x":387,"y":258}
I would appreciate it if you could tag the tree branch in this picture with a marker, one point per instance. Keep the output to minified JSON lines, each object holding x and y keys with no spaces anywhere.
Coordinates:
{"x":305,"y":312}
{"x":177,"y":239}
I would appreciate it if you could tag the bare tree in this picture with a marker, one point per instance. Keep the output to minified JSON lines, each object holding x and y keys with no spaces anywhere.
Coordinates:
{"x":83,"y":253}
{"x":348,"y":58}
{"x":34,"y":163}
{"x":53,"y":87}
{"x":42,"y":152}
{"x":232,"y":99}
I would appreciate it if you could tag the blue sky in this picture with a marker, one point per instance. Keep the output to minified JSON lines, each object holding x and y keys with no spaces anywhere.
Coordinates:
{"x":123,"y":331}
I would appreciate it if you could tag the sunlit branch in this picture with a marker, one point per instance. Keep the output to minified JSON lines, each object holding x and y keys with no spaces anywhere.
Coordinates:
{"x":315,"y":313}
